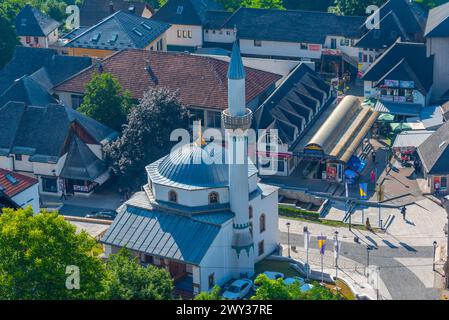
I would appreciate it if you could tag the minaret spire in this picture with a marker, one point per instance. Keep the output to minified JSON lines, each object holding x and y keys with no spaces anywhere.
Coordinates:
{"x":236,"y":121}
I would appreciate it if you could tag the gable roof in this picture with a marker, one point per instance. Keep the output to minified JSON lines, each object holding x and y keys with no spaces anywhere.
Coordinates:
{"x":81,"y":163}
{"x":12,"y":183}
{"x":58,"y":69}
{"x":405,"y":13}
{"x":28,"y":91}
{"x":119,"y":31}
{"x":438,"y":22}
{"x":24,"y":61}
{"x":292,"y":26}
{"x":290,"y":107}
{"x":216,"y":18}
{"x":163,"y":234}
{"x":42,"y":132}
{"x":188,"y":12}
{"x":44,"y":66}
{"x":384,"y":34}
{"x":406,"y":60}
{"x":201,"y":81}
{"x":434,"y":152}
{"x":32,"y":22}
{"x":93,"y":11}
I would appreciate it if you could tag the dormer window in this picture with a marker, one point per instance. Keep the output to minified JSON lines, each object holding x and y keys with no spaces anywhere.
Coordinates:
{"x":173,"y":196}
{"x":179,"y":9}
{"x":213,"y":197}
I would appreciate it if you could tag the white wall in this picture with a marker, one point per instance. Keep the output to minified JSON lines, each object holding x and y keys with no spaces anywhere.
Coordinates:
{"x":42,"y":42}
{"x":23,"y":165}
{"x":6,"y":163}
{"x":190,"y":198}
{"x":349,"y":50}
{"x":29,"y":197}
{"x":274,"y":48}
{"x":221,"y":36}
{"x":174,"y":40}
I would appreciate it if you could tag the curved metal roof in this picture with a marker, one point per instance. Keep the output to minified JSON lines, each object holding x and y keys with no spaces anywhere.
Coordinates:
{"x":194,"y":167}
{"x":335,"y":124}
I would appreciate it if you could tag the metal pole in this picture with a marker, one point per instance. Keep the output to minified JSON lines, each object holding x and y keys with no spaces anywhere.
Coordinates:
{"x":434,"y":254}
{"x":367,"y":260}
{"x":380,"y":216}
{"x":322,"y":271}
{"x":288,"y":238}
{"x":306,"y":239}
{"x":336,"y":244}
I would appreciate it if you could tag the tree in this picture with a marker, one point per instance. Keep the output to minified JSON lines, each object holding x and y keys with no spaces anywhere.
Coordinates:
{"x":233,"y":5}
{"x":214,"y":294}
{"x":127,"y":280}
{"x":277,"y":290}
{"x":316,"y":5}
{"x":356,"y":7}
{"x":55,"y":9}
{"x":35,"y":251}
{"x":105,"y":101}
{"x":8,"y":40}
{"x":145,"y":137}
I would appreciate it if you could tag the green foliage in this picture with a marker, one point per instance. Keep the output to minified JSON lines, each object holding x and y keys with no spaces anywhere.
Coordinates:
{"x":105,"y":101}
{"x":127,"y":280}
{"x":144,"y":138}
{"x":429,"y":4}
{"x":295,"y":212}
{"x":233,"y":5}
{"x":214,"y":294}
{"x":35,"y":251}
{"x":9,"y":39}
{"x":355,"y":7}
{"x":316,"y":5}
{"x":277,"y":290}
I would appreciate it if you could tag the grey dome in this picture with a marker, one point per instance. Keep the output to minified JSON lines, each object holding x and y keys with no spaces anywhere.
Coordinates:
{"x":194,"y":167}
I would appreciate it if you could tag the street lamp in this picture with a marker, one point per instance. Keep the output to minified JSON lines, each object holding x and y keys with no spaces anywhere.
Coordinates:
{"x":434,"y":252}
{"x":446,"y":265}
{"x":336,"y":252}
{"x":368,"y":248}
{"x":288,"y":238}
{"x":306,"y":246}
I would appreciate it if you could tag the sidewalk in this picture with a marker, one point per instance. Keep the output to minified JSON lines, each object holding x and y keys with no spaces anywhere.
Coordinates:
{"x":349,"y":271}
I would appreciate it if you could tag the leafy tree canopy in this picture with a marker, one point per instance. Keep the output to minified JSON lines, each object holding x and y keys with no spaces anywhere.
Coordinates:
{"x":127,"y":280}
{"x":146,"y":135}
{"x":214,"y":294}
{"x":35,"y":251}
{"x":356,"y":7}
{"x":105,"y":101}
{"x":233,"y":5}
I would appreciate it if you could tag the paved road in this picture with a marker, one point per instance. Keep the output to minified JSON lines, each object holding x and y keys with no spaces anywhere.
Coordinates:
{"x":400,"y":281}
{"x":77,"y":211}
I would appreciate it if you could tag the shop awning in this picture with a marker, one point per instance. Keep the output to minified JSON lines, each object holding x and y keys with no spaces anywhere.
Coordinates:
{"x":405,"y":109}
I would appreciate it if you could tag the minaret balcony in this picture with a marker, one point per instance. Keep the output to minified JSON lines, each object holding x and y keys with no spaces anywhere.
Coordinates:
{"x":237,"y":122}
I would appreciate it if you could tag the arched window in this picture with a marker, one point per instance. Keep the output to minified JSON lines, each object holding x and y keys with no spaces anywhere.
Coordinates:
{"x":262,"y":223}
{"x":250,"y":212}
{"x":173,"y":196}
{"x":213,"y":197}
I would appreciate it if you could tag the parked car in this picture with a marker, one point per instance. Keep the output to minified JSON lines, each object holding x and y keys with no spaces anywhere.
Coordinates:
{"x":238,"y":289}
{"x":289,"y":281}
{"x":273,"y":275}
{"x":105,"y":214}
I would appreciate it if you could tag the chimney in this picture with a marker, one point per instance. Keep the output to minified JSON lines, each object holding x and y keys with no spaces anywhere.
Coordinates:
{"x":111,"y":7}
{"x":132,"y":9}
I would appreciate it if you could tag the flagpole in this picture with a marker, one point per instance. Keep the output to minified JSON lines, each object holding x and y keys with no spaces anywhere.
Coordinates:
{"x":306,"y":245}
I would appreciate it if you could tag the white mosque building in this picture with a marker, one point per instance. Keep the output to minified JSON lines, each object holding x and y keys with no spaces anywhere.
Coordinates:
{"x":203,"y":214}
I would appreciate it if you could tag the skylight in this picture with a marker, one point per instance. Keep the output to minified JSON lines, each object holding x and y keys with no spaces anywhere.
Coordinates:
{"x":442,"y":144}
{"x":137,"y":32}
{"x":114,"y":38}
{"x":146,"y":26}
{"x":96,"y":37}
{"x":179,"y":9}
{"x":11,"y":179}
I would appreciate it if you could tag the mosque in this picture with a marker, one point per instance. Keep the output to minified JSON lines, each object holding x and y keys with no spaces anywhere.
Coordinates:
{"x":203,"y":214}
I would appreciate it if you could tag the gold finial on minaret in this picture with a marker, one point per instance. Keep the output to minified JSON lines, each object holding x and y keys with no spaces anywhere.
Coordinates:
{"x":200,"y":142}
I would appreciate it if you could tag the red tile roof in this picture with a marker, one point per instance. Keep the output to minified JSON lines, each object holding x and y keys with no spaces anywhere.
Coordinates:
{"x":202,"y":81}
{"x":10,"y":189}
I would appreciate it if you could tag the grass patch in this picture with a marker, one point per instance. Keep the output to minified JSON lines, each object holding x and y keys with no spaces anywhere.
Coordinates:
{"x":343,"y":288}
{"x":278,"y":266}
{"x":330,"y":223}
{"x":295,"y":212}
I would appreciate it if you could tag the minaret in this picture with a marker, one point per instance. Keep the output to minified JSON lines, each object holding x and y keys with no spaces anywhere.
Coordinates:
{"x":236,"y":121}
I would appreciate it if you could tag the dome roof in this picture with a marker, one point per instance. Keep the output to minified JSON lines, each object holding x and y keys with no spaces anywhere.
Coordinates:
{"x":194,"y":167}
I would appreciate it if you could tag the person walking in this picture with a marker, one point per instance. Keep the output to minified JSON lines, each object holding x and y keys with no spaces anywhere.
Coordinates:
{"x":373,"y":156}
{"x":403,"y":212}
{"x":63,"y":195}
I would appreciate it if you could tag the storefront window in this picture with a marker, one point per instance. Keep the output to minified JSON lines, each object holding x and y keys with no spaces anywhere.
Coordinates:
{"x":49,"y":184}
